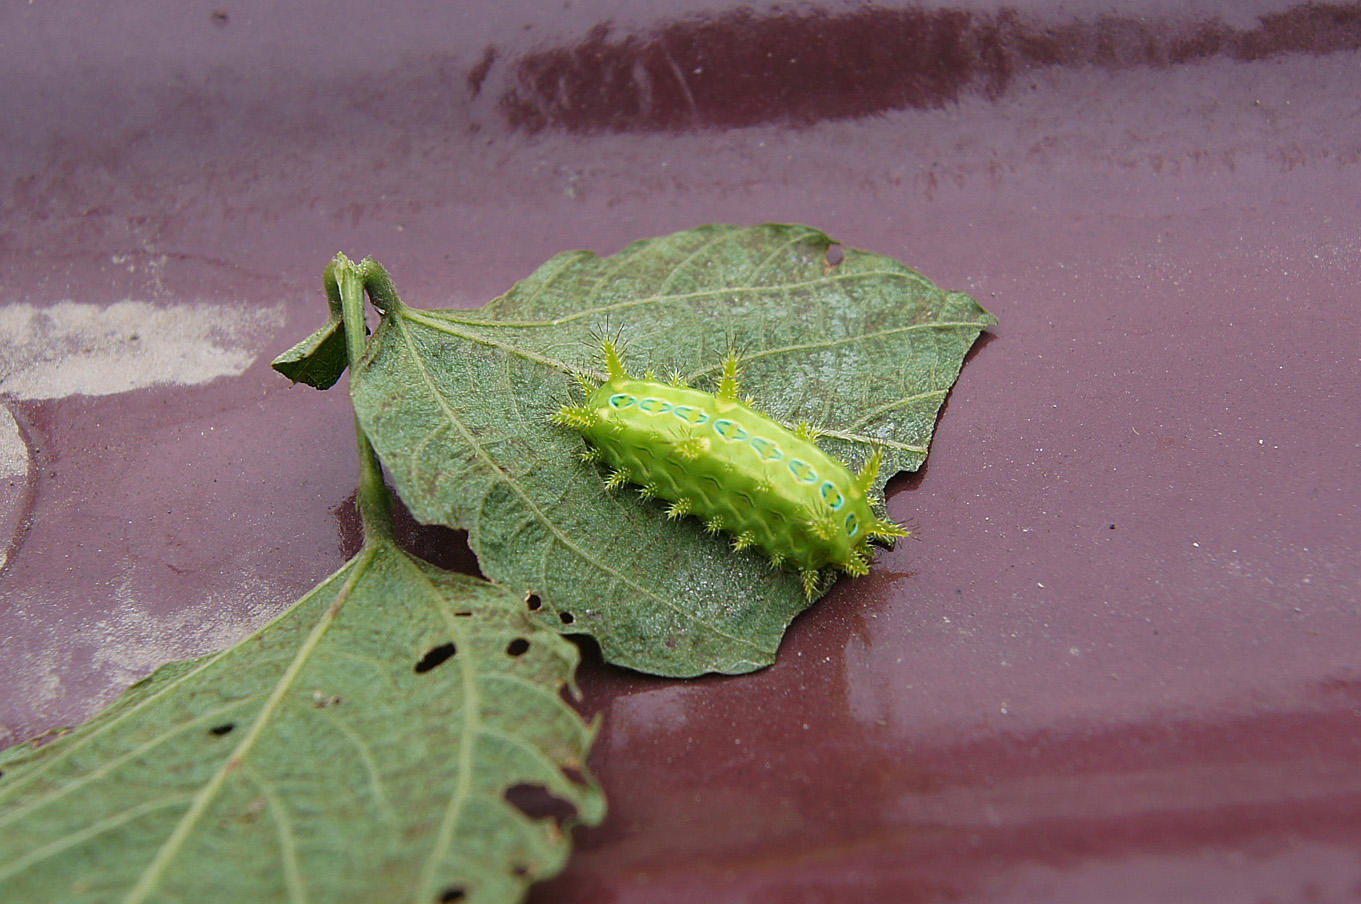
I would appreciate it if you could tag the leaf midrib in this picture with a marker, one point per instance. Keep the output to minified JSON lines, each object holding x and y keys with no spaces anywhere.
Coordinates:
{"x":717,"y":292}
{"x":154,"y":870}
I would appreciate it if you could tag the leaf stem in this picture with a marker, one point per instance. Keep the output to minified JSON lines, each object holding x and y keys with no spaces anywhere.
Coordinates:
{"x":382,"y":293}
{"x":330,"y":281}
{"x":375,"y":503}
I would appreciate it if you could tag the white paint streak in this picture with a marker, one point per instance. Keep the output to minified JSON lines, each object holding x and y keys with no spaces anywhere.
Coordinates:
{"x":14,"y":471}
{"x":74,"y":348}
{"x":13,"y":449}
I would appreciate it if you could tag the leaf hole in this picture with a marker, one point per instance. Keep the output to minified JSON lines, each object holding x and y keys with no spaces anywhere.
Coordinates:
{"x":533,"y":602}
{"x":436,"y":656}
{"x":537,"y":802}
{"x":520,"y":870}
{"x":567,"y":618}
{"x":452,"y":893}
{"x":517,"y":647}
{"x":220,"y":730}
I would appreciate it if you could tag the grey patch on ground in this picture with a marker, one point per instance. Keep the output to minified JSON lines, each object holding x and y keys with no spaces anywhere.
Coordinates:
{"x":13,"y":449}
{"x":75,"y":348}
{"x":14,"y":474}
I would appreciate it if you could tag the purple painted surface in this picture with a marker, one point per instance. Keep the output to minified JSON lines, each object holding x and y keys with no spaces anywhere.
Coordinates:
{"x":1119,"y":664}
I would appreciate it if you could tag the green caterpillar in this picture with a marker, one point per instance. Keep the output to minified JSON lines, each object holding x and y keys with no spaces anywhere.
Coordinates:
{"x":715,"y":457}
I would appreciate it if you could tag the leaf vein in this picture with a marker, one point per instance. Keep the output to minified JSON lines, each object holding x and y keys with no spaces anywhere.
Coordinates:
{"x":680,"y":265}
{"x":111,"y":765}
{"x":550,"y":766}
{"x":845,"y":340}
{"x":366,"y":758}
{"x":886,"y":407}
{"x":91,"y":831}
{"x":288,"y":847}
{"x":765,"y":262}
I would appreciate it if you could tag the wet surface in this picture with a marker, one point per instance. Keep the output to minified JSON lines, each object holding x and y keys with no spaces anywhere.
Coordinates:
{"x":740,"y":69}
{"x":1119,"y":661}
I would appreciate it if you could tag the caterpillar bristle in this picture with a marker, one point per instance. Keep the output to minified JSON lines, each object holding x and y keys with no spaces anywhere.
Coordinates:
{"x":613,"y":362}
{"x":713,"y":524}
{"x":855,"y":564}
{"x":824,"y":527}
{"x":888,"y":530}
{"x":727,"y":386}
{"x":744,"y":540}
{"x":617,"y":479}
{"x":678,"y":509}
{"x":865,"y":479}
{"x":592,"y":455}
{"x":692,"y":448}
{"x":811,"y":579}
{"x":777,"y":560}
{"x":807,"y":431}
{"x":578,"y":417}
{"x":649,"y":491}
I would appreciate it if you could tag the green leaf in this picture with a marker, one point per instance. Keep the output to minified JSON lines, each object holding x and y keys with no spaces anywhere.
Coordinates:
{"x":334,"y":756}
{"x":457,"y":404}
{"x":318,"y":360}
{"x":321,"y":358}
